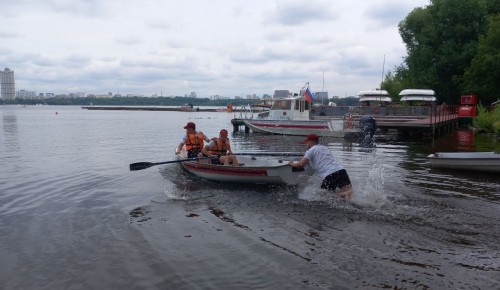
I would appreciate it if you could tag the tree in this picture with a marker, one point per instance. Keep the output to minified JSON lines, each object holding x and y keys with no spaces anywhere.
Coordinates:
{"x":441,"y":41}
{"x":483,"y":76}
{"x":395,"y":83}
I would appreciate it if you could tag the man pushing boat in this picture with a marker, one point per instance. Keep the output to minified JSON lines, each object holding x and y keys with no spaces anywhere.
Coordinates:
{"x":326,"y":166}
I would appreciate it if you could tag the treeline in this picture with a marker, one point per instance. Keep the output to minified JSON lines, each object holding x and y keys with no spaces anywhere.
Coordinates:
{"x":130,"y":101}
{"x":453,"y":47}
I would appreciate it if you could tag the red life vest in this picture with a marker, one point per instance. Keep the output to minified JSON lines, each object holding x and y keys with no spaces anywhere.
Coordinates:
{"x":220,"y":148}
{"x":194,"y":141}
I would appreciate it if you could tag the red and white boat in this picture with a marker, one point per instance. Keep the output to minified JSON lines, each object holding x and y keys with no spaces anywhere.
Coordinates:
{"x":252,"y":169}
{"x":291,"y":116}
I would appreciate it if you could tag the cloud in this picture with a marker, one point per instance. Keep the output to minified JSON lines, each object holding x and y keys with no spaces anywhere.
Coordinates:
{"x":220,"y":47}
{"x":300,"y":12}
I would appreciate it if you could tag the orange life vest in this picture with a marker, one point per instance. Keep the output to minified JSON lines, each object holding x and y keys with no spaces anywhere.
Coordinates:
{"x":194,"y":141}
{"x":220,"y":148}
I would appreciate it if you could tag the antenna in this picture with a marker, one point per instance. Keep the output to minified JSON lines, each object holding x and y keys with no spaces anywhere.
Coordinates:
{"x":383,"y":68}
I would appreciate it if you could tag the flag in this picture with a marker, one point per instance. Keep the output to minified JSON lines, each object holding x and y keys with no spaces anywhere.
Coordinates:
{"x":308,"y":95}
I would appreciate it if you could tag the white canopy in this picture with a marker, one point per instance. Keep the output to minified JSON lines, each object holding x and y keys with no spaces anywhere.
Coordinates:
{"x":417,"y":95}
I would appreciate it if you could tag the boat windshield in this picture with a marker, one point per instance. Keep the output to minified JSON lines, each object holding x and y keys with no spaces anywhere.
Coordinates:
{"x":282,"y":105}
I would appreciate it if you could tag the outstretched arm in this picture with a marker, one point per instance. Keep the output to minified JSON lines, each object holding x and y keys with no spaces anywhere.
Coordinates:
{"x":179,"y":148}
{"x":303,"y":162}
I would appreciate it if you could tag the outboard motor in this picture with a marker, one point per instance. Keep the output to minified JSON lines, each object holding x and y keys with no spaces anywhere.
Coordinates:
{"x":368,"y":126}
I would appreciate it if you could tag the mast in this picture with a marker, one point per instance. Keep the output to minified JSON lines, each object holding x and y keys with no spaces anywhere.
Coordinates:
{"x":383,"y":68}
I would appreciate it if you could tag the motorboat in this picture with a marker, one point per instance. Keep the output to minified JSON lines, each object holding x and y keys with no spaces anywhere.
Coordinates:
{"x":251,"y":169}
{"x":471,"y":161}
{"x":291,"y":116}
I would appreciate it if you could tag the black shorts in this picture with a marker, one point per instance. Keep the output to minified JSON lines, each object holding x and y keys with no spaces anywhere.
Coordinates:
{"x":336,"y":179}
{"x":216,"y":160}
{"x":193,"y":153}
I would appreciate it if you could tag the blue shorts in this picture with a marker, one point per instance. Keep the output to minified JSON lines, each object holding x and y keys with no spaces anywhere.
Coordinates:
{"x":336,"y":179}
{"x":193,"y":153}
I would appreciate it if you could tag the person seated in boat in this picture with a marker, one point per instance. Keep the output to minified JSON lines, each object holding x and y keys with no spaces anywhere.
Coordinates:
{"x":193,"y":141}
{"x":326,"y":166}
{"x":220,"y":151}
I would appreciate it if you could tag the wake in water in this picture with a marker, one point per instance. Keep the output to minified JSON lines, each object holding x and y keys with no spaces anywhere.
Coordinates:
{"x":367,"y":192}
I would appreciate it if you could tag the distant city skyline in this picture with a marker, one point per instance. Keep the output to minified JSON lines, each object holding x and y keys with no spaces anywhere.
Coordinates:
{"x":8,"y":85}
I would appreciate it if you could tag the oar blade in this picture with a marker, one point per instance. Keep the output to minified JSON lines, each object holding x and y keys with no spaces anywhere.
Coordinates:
{"x":140,"y":165}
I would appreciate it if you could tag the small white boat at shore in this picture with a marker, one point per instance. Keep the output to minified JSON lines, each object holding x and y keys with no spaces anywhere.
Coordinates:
{"x":472,"y":161}
{"x":417,"y":95}
{"x":252,"y":169}
{"x":375,"y":97}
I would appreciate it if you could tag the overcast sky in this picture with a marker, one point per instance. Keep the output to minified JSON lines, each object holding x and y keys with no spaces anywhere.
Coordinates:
{"x":225,"y":47}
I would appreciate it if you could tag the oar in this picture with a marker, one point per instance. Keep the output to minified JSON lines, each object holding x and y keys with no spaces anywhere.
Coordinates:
{"x":271,"y":154}
{"x":144,"y":165}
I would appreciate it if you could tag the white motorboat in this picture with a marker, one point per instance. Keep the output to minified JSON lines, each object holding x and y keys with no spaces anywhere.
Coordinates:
{"x":472,"y":161}
{"x":291,"y":116}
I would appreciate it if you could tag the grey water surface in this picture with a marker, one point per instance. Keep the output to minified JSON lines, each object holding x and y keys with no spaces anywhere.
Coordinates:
{"x":72,"y":215}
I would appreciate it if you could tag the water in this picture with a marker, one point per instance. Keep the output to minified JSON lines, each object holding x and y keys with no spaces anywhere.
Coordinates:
{"x":72,"y":216}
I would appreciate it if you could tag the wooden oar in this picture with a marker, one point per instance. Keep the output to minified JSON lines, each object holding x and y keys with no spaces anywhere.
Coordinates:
{"x":144,"y":165}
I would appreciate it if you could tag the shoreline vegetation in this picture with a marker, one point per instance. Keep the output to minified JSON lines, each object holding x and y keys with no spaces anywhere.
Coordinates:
{"x":130,"y":101}
{"x":487,"y":121}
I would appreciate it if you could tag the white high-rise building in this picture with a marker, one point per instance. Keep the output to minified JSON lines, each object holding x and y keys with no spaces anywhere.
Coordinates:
{"x":8,"y":84}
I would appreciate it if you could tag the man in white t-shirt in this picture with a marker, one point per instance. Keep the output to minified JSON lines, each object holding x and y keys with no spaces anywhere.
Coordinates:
{"x":326,"y":166}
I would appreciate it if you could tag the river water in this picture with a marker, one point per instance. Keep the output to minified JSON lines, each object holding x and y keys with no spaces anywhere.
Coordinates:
{"x":72,"y":215}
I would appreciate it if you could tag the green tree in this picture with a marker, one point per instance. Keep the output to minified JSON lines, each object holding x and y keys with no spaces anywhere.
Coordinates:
{"x":483,"y":76}
{"x":395,"y":83}
{"x":441,"y":40}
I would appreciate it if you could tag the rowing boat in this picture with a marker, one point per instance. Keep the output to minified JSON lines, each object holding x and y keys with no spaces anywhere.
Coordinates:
{"x":252,"y":169}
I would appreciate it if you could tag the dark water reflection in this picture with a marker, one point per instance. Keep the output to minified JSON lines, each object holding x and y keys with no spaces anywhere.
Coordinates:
{"x":73,"y":216}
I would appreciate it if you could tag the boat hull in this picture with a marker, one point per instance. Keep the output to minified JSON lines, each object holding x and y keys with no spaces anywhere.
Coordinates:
{"x":257,"y":170}
{"x":471,"y":161}
{"x":323,"y":128}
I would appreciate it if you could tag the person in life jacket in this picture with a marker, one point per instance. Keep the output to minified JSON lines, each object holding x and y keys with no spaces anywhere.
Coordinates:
{"x":219,"y":150}
{"x":193,"y":141}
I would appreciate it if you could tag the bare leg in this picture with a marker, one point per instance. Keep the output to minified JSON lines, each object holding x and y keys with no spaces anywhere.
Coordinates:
{"x":233,"y":159}
{"x":224,"y":160}
{"x":345,"y":192}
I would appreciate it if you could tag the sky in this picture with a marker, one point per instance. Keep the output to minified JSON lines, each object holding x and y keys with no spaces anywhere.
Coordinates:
{"x":211,"y":47}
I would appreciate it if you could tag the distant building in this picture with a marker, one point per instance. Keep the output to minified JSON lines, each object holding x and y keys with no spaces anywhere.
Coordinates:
{"x":23,"y":94}
{"x":7,"y":84}
{"x":281,"y":94}
{"x":77,"y":95}
{"x":192,"y":95}
{"x":252,"y":97}
{"x":321,"y":98}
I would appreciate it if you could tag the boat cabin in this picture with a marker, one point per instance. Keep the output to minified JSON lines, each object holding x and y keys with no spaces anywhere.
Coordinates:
{"x":417,"y":97}
{"x":374,"y":98}
{"x":291,"y":108}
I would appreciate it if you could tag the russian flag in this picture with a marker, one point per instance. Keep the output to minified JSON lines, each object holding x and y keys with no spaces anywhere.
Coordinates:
{"x":308,"y":95}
